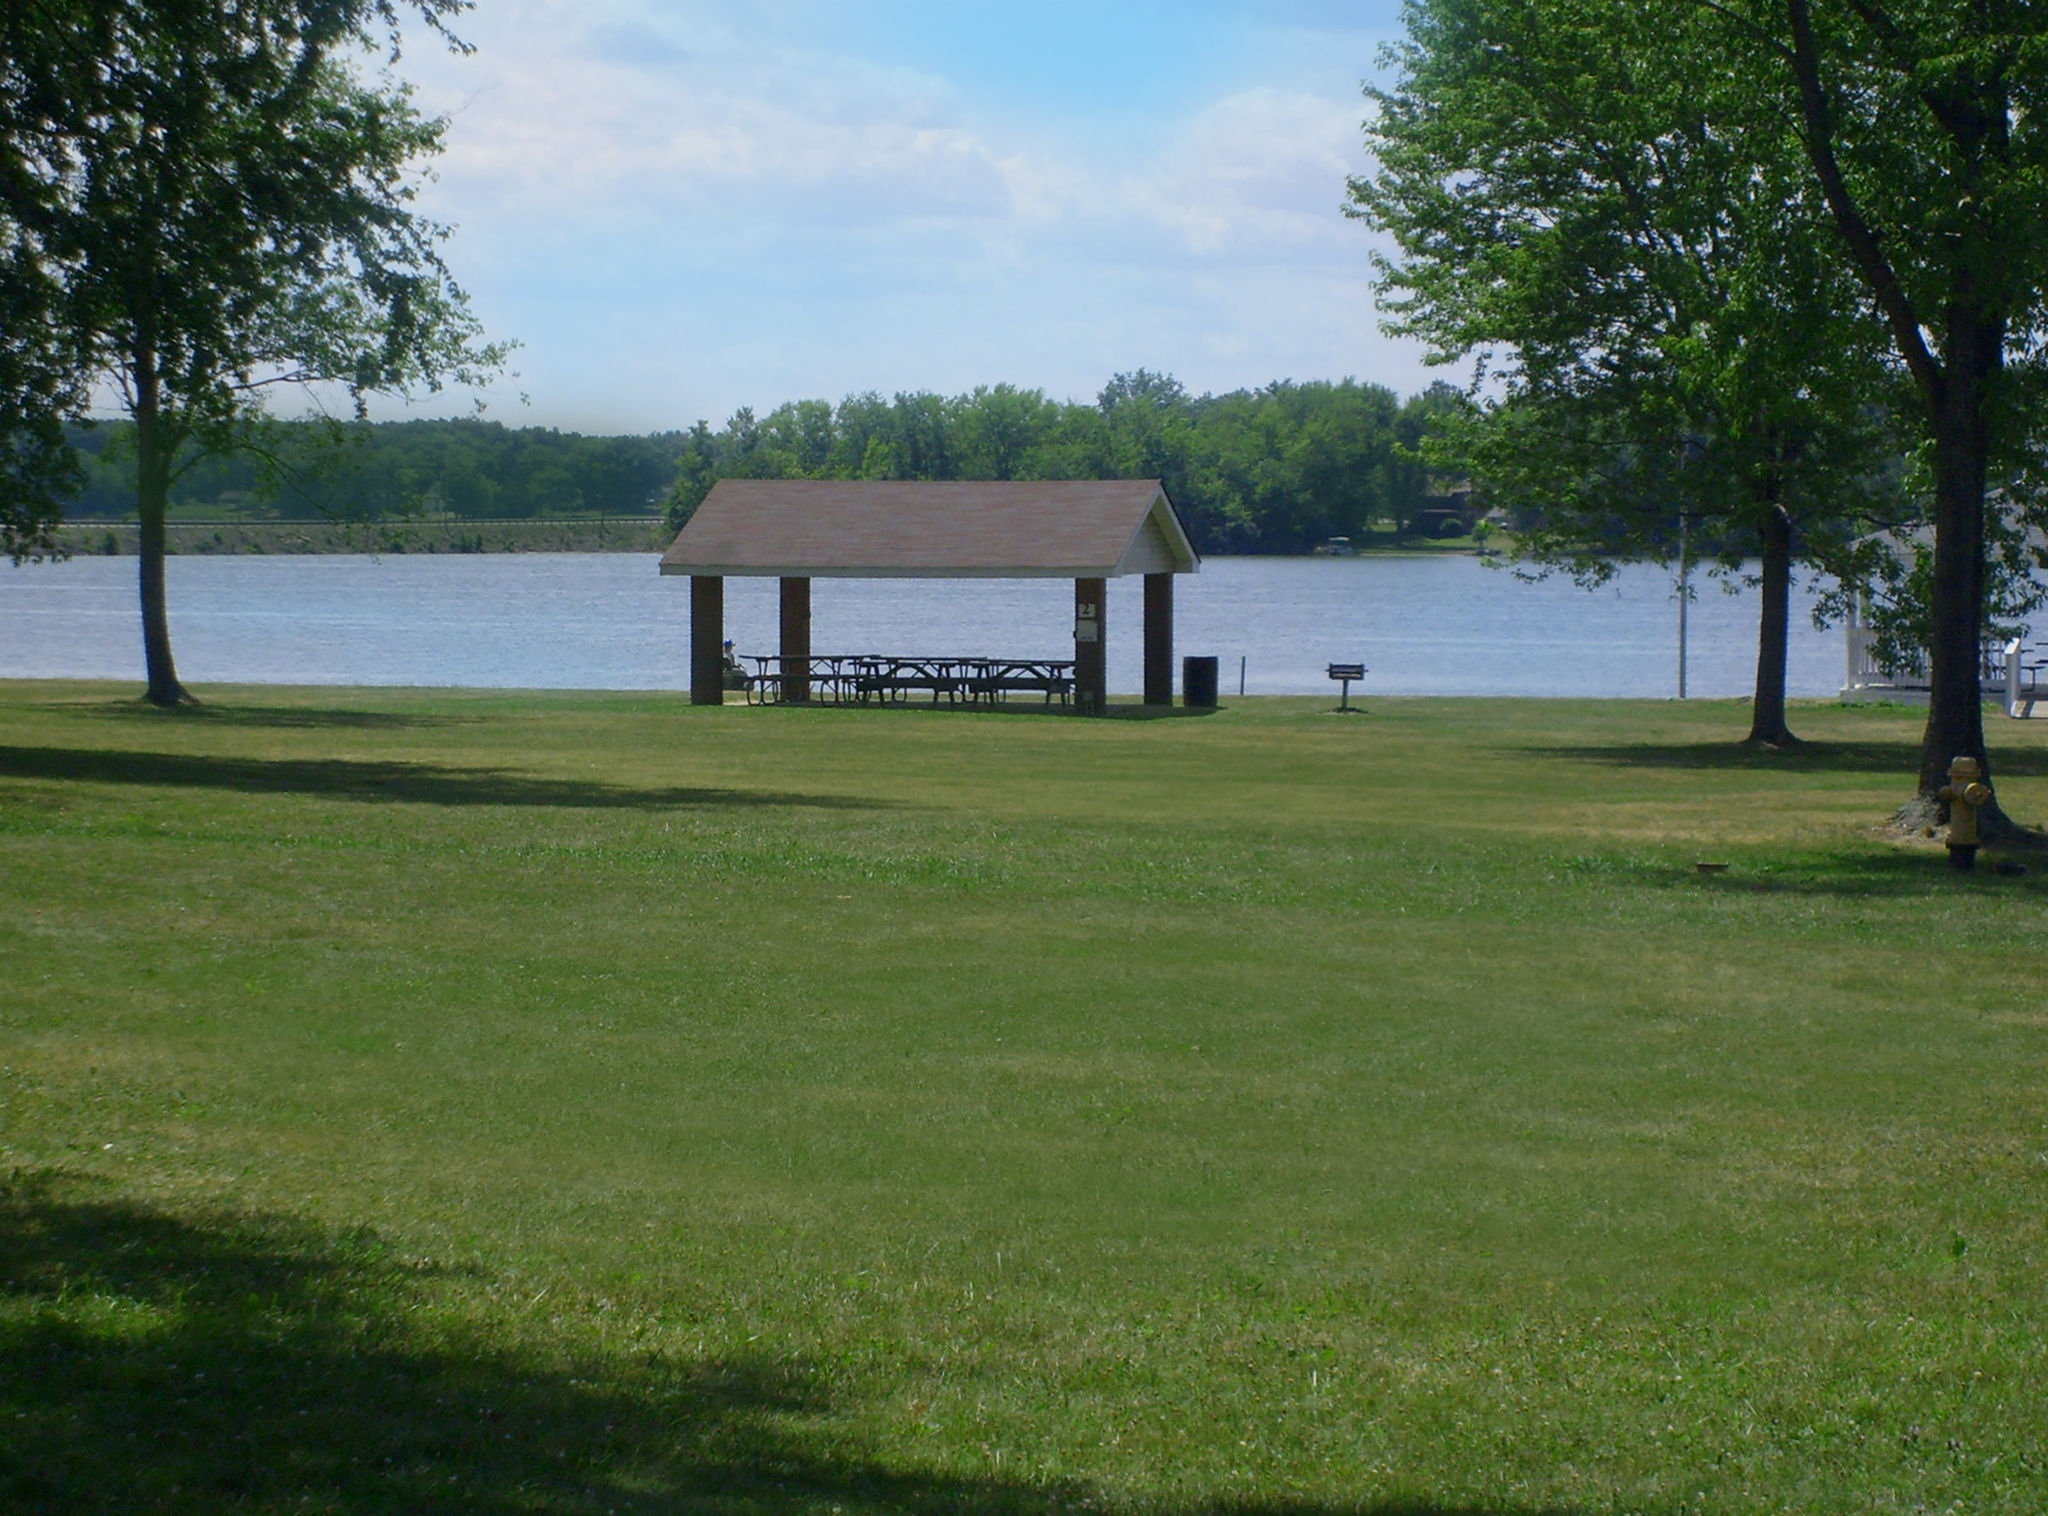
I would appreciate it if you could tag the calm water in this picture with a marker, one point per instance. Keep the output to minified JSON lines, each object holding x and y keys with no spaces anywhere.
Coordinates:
{"x":1424,"y":626}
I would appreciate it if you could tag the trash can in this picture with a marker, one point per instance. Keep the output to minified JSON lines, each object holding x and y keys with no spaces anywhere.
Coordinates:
{"x":1198,"y":683}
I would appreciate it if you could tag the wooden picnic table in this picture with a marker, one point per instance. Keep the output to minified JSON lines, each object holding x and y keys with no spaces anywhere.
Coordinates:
{"x":860,"y":678}
{"x":993,"y":678}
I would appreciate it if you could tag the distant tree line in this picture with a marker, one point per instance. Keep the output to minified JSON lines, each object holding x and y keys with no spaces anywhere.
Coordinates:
{"x":474,"y":469}
{"x":1275,"y":470}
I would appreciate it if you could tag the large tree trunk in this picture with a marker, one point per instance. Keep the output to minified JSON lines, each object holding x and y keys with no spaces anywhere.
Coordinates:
{"x":154,"y":445}
{"x":1774,"y":626}
{"x":1973,"y":115}
{"x":1955,"y":704}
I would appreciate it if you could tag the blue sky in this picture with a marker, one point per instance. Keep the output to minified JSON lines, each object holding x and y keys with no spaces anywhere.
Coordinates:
{"x":680,"y":207}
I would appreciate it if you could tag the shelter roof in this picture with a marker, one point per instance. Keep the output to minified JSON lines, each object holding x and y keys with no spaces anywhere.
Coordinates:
{"x":878,"y":529}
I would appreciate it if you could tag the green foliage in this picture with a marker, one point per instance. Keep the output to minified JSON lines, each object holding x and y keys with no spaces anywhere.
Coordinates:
{"x":238,"y":207}
{"x":1649,"y":305}
{"x":36,"y":471}
{"x":208,"y":201}
{"x":696,"y":472}
{"x":39,"y":378}
{"x":1723,"y":226}
{"x":1278,"y":469}
{"x":474,"y":469}
{"x":1891,"y":590}
{"x":1657,"y":233}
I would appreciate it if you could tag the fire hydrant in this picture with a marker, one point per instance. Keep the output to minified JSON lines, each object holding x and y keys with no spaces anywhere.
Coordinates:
{"x":1965,"y":792}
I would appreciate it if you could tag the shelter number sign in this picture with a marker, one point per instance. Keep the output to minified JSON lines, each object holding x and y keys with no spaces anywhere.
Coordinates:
{"x":1086,"y":627}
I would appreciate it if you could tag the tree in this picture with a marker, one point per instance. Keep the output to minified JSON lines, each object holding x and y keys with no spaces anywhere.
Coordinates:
{"x":1148,"y":427}
{"x":1918,"y":131}
{"x":39,"y":384}
{"x":1637,"y":274}
{"x":698,"y":471}
{"x":1276,"y":469}
{"x":228,"y":209}
{"x":799,"y":434}
{"x":999,"y":427}
{"x":37,"y":466}
{"x":925,"y":435}
{"x":1407,"y":475}
{"x":1922,"y":126}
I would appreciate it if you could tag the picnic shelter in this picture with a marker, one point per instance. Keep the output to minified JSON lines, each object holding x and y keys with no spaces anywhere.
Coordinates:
{"x":797,"y":530}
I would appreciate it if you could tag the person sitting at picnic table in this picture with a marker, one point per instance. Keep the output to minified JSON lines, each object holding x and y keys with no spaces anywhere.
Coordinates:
{"x":735,"y":676}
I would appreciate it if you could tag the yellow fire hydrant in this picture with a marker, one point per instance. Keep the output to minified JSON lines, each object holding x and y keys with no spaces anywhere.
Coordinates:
{"x":1965,"y":793}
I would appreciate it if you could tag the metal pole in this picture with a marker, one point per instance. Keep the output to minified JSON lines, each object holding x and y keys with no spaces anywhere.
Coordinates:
{"x":1240,"y":674}
{"x":1684,"y":595}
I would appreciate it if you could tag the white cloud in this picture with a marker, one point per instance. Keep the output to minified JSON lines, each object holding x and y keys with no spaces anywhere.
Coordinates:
{"x":585,"y":122}
{"x":1258,"y":173}
{"x":604,"y":122}
{"x":678,"y":215}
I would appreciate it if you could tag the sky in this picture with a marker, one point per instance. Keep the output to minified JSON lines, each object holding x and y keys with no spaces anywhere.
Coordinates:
{"x":680,"y":207}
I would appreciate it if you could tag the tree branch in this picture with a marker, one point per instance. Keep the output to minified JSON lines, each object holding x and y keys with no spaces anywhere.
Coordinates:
{"x":303,"y":376}
{"x":1864,"y":249}
{"x":1756,"y":32}
{"x":1874,"y":17}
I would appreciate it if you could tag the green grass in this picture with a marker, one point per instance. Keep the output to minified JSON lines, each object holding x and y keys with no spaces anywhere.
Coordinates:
{"x":575,"y":1103}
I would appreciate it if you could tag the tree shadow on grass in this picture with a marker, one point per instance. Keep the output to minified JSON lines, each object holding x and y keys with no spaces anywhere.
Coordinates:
{"x":1117,"y":712}
{"x":1892,"y":873}
{"x":279,"y":716}
{"x":1898,"y":874}
{"x":1899,"y":760}
{"x":366,"y":780}
{"x":158,"y":1362}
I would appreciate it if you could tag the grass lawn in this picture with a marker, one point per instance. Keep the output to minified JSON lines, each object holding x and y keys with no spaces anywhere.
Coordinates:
{"x":573,"y":1103}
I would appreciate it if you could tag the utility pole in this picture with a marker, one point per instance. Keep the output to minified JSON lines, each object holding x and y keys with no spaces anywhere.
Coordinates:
{"x":1684,"y":599}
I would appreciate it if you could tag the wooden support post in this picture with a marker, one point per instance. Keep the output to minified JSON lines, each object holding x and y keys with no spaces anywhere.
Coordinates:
{"x":1091,"y":652}
{"x":796,"y":639}
{"x":1159,"y":639}
{"x":707,"y":639}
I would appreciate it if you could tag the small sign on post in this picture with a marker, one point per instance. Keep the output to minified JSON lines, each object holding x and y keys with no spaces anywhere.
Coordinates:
{"x":1346,"y":672}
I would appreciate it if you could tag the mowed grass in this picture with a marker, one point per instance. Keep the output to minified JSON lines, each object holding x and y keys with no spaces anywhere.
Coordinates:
{"x":583,"y":1102}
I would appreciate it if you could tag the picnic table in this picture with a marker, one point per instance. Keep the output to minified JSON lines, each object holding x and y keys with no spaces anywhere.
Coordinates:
{"x":863,"y":678}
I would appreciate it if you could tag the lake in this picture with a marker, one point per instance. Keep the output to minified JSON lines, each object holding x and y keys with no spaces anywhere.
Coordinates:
{"x":1424,"y":626}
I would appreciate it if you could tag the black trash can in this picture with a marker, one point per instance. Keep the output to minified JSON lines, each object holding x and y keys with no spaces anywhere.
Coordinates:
{"x":1198,"y":683}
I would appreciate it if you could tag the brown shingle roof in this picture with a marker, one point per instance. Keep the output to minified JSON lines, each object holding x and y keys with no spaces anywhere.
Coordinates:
{"x":832,"y":528}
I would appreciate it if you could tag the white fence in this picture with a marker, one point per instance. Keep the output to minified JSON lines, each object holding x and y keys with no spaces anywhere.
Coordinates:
{"x":2018,"y":672}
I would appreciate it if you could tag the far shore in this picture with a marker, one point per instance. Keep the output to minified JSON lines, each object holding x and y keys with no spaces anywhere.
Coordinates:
{"x":645,"y":534}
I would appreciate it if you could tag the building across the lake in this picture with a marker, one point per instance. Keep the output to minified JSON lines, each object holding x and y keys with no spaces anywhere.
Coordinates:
{"x":2013,"y":669}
